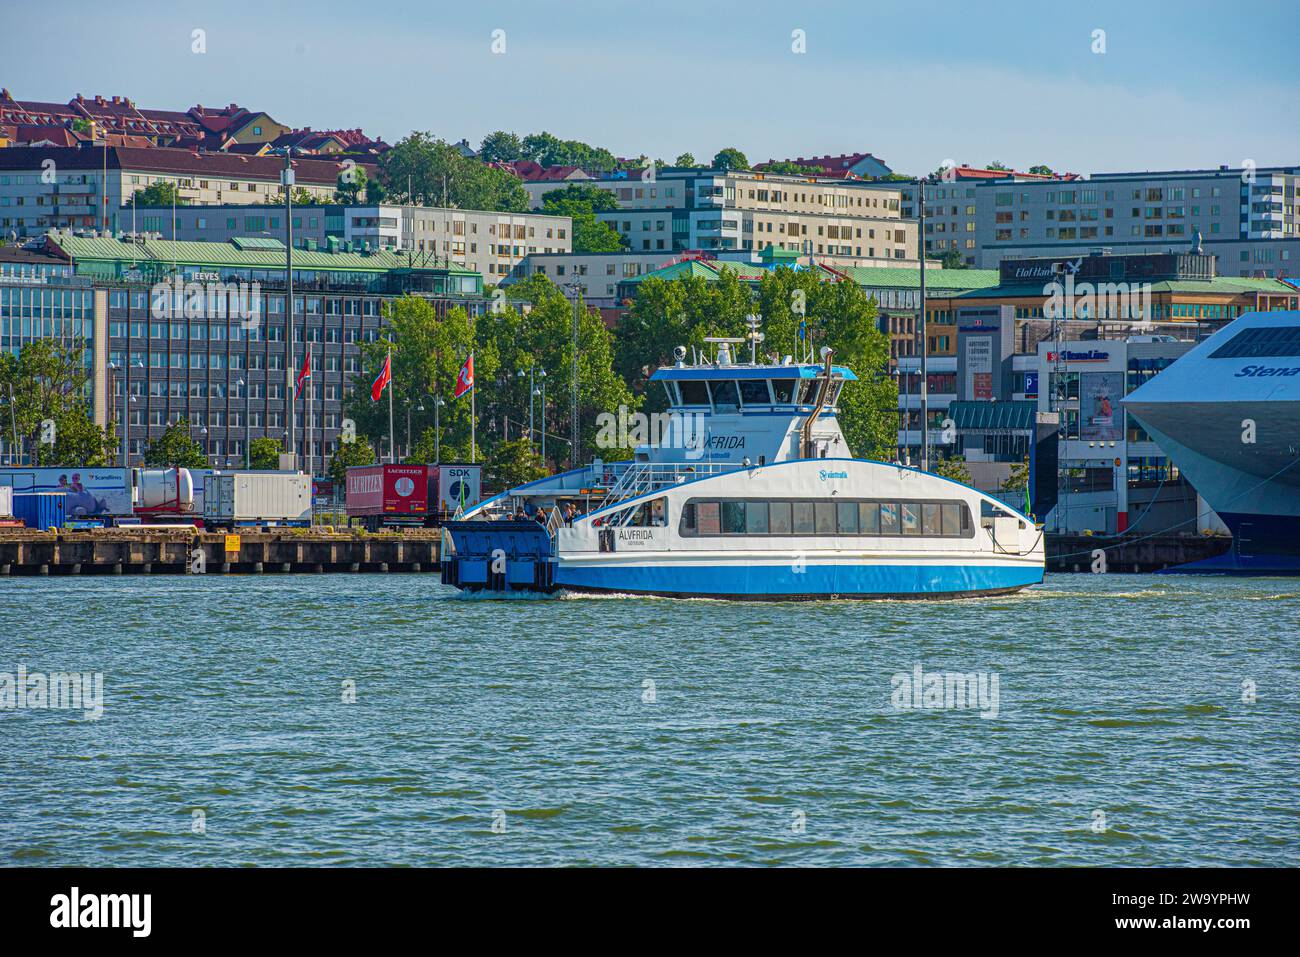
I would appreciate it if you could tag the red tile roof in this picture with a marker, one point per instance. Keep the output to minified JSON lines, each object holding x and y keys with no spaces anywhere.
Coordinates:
{"x":316,"y":171}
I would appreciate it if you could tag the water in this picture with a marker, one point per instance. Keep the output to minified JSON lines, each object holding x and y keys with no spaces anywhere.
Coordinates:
{"x":771,"y":738}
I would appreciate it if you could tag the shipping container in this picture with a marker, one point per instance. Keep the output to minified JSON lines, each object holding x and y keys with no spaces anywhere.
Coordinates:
{"x":91,"y":492}
{"x":390,"y":494}
{"x":460,"y":486}
{"x":41,"y":510}
{"x":256,"y":498}
{"x":6,"y":501}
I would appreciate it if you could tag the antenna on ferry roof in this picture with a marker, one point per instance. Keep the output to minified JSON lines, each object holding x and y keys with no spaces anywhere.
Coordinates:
{"x":754,"y":336}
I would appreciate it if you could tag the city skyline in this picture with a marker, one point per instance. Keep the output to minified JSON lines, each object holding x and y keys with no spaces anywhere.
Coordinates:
{"x":884,"y":81}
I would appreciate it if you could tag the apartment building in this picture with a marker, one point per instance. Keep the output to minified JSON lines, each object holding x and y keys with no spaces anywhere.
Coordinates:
{"x":90,"y":187}
{"x":1249,"y":219}
{"x":493,"y":244}
{"x":226,"y":367}
{"x":672,"y":210}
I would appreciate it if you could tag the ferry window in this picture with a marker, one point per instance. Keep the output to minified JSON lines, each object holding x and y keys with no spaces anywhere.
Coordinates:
{"x":834,"y":394}
{"x":869,"y":518}
{"x":847,"y":517}
{"x":725,"y":395}
{"x":803,"y":518}
{"x":657,"y":512}
{"x":733,"y":518}
{"x":807,"y":391}
{"x":911,"y":513}
{"x":694,"y":392}
{"x":707,"y":517}
{"x":931,"y":523}
{"x":754,"y":392}
{"x":756,"y":518}
{"x":688,"y":519}
{"x":779,"y":518}
{"x":952,"y":523}
{"x":671,"y":392}
{"x":783,"y":391}
{"x":889,"y":518}
{"x":1261,"y":342}
{"x":825,"y":518}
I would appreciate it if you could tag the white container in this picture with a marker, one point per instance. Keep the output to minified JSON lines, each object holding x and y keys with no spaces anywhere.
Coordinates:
{"x":6,"y":501}
{"x":257,"y":498}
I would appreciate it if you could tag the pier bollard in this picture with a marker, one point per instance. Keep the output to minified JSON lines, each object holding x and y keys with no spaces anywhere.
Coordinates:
{"x":415,"y":566}
{"x":225,"y":568}
{"x":383,"y":566}
{"x":257,"y":568}
{"x":43,"y":570}
{"x":117,"y":568}
{"x":285,"y":567}
{"x":354,"y":567}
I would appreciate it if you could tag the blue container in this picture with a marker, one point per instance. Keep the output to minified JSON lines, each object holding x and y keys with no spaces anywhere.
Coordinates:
{"x":41,"y":510}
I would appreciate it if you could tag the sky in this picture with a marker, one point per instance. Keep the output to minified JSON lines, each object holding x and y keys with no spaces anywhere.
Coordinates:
{"x":1166,"y":84}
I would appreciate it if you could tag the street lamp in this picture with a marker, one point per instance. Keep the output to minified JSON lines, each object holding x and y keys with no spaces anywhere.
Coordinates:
{"x":541,"y":374}
{"x":438,"y":403}
{"x":243,"y":387}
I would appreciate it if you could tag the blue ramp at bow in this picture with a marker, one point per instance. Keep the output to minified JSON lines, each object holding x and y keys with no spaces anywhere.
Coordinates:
{"x":498,"y":556}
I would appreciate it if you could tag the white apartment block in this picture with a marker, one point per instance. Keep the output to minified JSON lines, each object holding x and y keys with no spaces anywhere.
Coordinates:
{"x":490,"y":243}
{"x":848,"y":221}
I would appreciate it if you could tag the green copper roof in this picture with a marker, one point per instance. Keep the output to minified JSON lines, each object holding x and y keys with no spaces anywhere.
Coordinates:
{"x":229,"y":255}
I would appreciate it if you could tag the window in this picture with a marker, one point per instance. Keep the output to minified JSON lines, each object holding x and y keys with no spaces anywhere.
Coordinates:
{"x":1261,"y":342}
{"x":827,"y":517}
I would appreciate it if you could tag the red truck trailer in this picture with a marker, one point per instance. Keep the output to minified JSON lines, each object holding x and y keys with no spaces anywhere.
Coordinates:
{"x":392,"y":495}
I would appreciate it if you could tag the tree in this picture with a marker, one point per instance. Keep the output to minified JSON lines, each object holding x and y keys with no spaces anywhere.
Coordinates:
{"x":1041,"y":170}
{"x":837,"y":314}
{"x":349,"y":454}
{"x":428,"y":352}
{"x":686,"y":160}
{"x":546,"y":149}
{"x":792,"y":169}
{"x":78,"y":440}
{"x":427,"y":171}
{"x":49,"y":379}
{"x":512,"y":463}
{"x":1018,"y":478}
{"x":500,"y":147}
{"x":952,"y":259}
{"x":159,"y":194}
{"x":351,"y":185}
{"x":264,"y":453}
{"x":175,"y":449}
{"x":953,"y":467}
{"x":544,"y":339}
{"x":580,"y":202}
{"x":998,"y":166}
{"x":730,"y":158}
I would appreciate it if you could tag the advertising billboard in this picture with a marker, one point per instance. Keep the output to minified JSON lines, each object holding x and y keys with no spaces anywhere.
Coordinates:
{"x":1100,"y":417}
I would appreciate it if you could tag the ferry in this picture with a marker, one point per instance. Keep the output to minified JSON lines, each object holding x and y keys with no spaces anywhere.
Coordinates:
{"x":747,"y":491}
{"x":1227,"y":413}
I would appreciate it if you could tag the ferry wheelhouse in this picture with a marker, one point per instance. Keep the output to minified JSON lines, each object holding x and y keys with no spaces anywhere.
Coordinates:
{"x":746,"y":490}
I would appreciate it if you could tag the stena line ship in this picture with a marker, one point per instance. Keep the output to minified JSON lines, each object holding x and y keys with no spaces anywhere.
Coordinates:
{"x":750,"y":493}
{"x":1228,"y":414}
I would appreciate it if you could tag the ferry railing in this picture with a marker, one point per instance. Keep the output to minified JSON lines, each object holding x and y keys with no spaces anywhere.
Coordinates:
{"x":648,"y":477}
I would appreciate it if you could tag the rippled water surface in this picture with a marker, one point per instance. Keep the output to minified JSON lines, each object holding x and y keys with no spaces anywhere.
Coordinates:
{"x":649,"y":731}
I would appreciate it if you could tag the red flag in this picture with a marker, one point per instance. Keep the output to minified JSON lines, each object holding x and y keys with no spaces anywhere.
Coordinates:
{"x":303,"y":375}
{"x":465,"y":381}
{"x":385,"y":377}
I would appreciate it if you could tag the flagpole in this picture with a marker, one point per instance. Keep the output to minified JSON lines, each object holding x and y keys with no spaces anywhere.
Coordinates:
{"x":311,"y":421}
{"x":392,"y":447}
{"x":473,"y":417}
